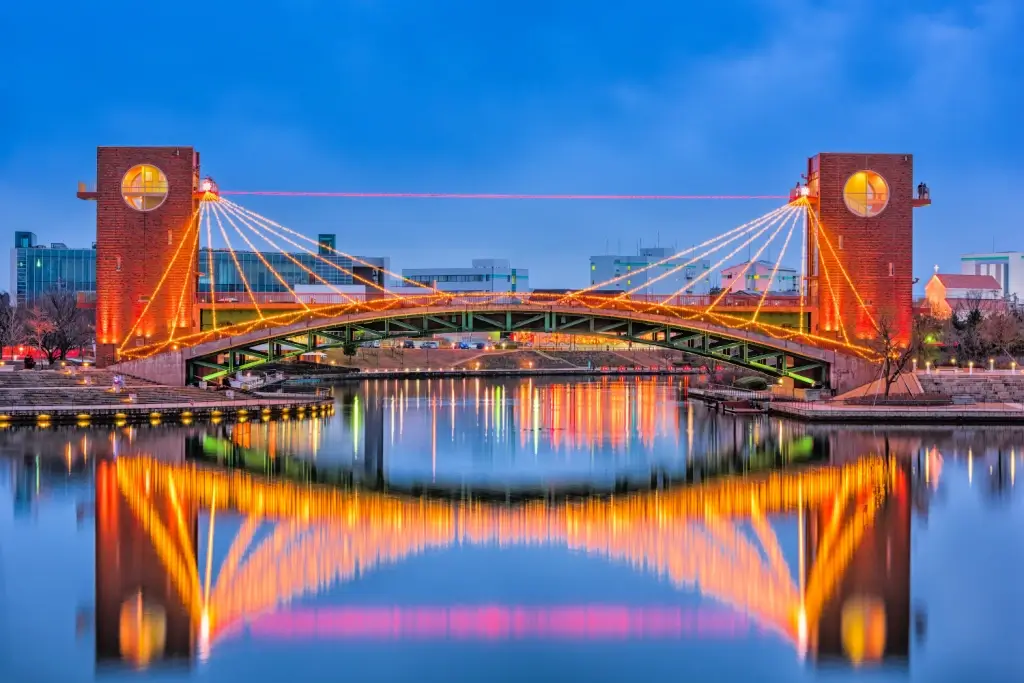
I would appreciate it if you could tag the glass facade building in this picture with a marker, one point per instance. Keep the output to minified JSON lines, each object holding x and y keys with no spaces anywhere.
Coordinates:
{"x":36,"y":269}
{"x":294,"y":269}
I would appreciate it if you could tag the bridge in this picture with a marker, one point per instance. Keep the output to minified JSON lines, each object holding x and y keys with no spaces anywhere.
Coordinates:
{"x":852,"y":517}
{"x":160,"y":315}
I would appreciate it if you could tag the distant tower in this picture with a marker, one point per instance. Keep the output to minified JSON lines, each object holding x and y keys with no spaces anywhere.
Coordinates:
{"x":146,"y":203}
{"x":864,"y":204}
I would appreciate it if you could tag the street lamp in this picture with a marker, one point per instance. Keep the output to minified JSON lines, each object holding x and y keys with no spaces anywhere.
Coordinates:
{"x":991,"y":364}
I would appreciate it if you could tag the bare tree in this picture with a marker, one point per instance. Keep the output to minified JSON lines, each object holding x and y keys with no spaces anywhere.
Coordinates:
{"x":894,"y":353}
{"x":1002,"y":332}
{"x":12,"y":323}
{"x":56,"y":324}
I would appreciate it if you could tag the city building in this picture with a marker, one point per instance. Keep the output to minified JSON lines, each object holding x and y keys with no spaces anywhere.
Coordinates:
{"x":668,"y":277}
{"x":1007,"y":267}
{"x":485,"y":275}
{"x":757,"y":277}
{"x":293,"y":269}
{"x":946,"y":293}
{"x":39,"y":268}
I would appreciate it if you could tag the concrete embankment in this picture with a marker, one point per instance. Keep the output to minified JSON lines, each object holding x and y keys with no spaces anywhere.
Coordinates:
{"x":42,"y":397}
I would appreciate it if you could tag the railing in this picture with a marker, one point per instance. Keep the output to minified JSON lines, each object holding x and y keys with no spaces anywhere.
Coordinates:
{"x":428,"y":298}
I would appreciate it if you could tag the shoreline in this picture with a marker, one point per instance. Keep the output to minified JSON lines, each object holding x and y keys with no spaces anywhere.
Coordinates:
{"x":183,"y":412}
{"x":420,"y":373}
{"x":1007,"y":414}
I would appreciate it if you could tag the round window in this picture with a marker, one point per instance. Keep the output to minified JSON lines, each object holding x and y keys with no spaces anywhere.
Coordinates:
{"x":144,"y":187}
{"x":866,"y":194}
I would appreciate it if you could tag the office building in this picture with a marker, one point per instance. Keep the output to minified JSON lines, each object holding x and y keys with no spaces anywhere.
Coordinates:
{"x":1007,"y":267}
{"x":485,"y":275}
{"x":663,"y":275}
{"x":296,"y":268}
{"x":38,"y":268}
{"x":757,"y":277}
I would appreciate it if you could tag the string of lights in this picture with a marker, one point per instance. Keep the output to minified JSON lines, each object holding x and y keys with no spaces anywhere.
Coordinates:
{"x":354,"y":259}
{"x":192,"y":223}
{"x":742,"y":229}
{"x":860,"y":301}
{"x":770,"y":219}
{"x":775,"y":268}
{"x":750,"y":262}
{"x":266,"y":264}
{"x":303,"y":267}
{"x":337,"y":266}
{"x":234,"y":259}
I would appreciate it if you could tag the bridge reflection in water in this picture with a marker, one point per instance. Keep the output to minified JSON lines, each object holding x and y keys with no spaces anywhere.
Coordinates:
{"x":160,"y":596}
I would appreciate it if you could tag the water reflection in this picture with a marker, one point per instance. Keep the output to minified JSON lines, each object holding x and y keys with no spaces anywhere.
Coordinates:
{"x":219,"y":541}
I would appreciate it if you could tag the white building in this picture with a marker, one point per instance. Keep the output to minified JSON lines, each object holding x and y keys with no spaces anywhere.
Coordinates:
{"x":758,"y":276}
{"x":486,"y":275}
{"x":1007,"y":267}
{"x":652,"y":281}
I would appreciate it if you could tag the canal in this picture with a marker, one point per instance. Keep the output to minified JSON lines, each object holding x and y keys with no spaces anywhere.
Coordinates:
{"x":512,"y":529}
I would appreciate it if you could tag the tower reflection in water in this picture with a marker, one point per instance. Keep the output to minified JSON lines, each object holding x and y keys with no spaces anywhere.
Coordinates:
{"x":162,"y":596}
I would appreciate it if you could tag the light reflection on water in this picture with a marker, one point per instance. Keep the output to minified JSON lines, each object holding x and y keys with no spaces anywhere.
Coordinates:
{"x":826,"y":548}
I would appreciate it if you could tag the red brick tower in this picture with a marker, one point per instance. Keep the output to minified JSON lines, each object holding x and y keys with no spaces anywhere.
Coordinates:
{"x":864,"y":204}
{"x":145,"y":204}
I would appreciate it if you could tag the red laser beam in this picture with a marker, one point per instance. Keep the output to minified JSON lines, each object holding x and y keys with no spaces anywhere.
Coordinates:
{"x":469,"y":195}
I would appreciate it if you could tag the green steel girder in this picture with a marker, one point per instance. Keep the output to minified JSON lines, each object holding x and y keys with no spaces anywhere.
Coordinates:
{"x":712,"y":344}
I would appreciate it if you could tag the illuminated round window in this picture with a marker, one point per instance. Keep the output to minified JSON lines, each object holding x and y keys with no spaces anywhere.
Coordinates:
{"x":144,"y":187}
{"x":866,"y":193}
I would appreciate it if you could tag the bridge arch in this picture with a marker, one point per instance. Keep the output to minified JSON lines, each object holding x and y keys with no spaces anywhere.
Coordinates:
{"x":808,"y":362}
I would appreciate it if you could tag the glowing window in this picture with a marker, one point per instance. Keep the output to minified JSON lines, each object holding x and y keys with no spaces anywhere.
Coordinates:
{"x":144,"y":187}
{"x":866,"y":194}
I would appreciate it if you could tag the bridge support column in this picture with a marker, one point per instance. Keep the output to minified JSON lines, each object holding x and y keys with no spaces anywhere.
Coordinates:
{"x":163,"y":368}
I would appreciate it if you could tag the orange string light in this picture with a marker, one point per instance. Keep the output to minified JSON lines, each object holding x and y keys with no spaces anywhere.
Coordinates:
{"x":775,"y":269}
{"x":770,"y":218}
{"x":191,"y":223}
{"x":253,"y":223}
{"x":263,"y":260}
{"x":234,"y":259}
{"x":742,"y":229}
{"x":751,"y":261}
{"x":354,"y":259}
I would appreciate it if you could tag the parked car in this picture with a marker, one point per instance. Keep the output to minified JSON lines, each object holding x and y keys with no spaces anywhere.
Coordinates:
{"x":429,"y":345}
{"x":408,"y":344}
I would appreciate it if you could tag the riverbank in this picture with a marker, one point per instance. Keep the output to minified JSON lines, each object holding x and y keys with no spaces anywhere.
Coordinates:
{"x":841,"y":413}
{"x":88,"y":396}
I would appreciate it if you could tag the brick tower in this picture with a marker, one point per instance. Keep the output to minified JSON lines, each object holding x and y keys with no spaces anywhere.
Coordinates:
{"x":146,"y":202}
{"x":864,"y":204}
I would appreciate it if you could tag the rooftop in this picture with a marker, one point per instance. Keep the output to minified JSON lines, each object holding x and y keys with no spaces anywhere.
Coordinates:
{"x":959,"y":281}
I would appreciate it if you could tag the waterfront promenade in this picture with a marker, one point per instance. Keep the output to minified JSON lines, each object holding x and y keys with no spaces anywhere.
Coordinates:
{"x":85,"y":395}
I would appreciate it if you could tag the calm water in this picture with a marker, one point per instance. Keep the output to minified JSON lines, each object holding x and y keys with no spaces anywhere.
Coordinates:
{"x":439,"y":531}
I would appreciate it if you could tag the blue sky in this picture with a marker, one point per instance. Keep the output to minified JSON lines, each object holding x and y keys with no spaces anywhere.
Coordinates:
{"x":548,"y":97}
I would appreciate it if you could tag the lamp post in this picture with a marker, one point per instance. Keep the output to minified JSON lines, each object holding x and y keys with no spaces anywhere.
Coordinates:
{"x":991,"y":364}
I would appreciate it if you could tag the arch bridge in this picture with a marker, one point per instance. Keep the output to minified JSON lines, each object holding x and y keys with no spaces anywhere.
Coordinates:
{"x":805,"y":359}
